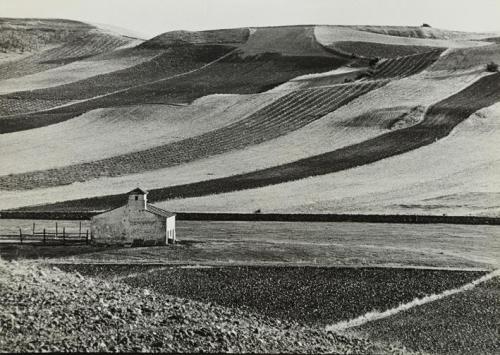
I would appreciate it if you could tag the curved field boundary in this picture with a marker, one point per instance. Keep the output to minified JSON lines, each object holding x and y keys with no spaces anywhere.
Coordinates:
{"x":467,"y":58}
{"x":285,"y":40}
{"x":67,"y":111}
{"x":105,"y":133}
{"x":371,"y":49}
{"x":286,"y":114}
{"x":377,"y":315}
{"x":329,"y":35}
{"x":77,"y":71}
{"x":170,"y":62}
{"x":229,"y":74}
{"x":90,"y":45}
{"x":439,"y":121}
{"x":424,"y":32}
{"x":405,"y":66}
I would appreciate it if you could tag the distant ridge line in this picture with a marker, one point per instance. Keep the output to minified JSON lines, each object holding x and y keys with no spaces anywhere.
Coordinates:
{"x":276,"y":217}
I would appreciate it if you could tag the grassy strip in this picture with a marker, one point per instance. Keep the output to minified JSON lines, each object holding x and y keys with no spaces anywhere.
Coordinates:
{"x":465,"y":323}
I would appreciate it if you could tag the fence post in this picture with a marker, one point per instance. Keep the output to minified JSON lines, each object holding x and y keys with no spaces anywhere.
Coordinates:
{"x":87,"y":237}
{"x":64,"y":232}
{"x":33,"y":228}
{"x":44,"y":236}
{"x":56,"y":229}
{"x":21,"y":235}
{"x":80,"y":230}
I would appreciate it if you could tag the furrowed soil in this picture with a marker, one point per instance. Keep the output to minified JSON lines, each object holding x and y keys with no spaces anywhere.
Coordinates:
{"x":455,"y":176}
{"x":232,"y":74}
{"x":284,"y":115}
{"x":76,"y":71}
{"x":439,"y":121}
{"x":106,"y":133}
{"x":465,"y":323}
{"x":82,"y":44}
{"x":308,"y":295}
{"x":167,"y":63}
{"x":69,"y":312}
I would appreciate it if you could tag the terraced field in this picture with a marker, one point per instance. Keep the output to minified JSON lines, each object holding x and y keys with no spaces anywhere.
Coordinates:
{"x":286,"y":114}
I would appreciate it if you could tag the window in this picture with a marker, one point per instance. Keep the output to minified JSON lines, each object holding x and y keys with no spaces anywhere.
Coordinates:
{"x":136,"y":198}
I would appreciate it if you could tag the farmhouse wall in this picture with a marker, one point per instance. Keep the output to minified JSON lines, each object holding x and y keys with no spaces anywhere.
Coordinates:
{"x":125,"y":224}
{"x":110,"y":227}
{"x":136,"y":222}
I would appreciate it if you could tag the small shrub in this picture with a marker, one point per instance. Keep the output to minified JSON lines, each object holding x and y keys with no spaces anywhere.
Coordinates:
{"x":373,"y":61}
{"x":492,"y":67}
{"x":426,"y":25}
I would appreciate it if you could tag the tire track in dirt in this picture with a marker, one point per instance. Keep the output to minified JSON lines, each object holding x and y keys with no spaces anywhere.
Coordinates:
{"x":377,"y":315}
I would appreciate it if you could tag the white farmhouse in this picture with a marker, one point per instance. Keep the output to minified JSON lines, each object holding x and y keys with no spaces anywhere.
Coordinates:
{"x":138,"y":222}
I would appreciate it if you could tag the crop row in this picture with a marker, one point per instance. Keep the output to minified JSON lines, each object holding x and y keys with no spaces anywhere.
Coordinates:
{"x":288,"y":113}
{"x":381,"y":50}
{"x":14,"y":105}
{"x":405,"y":66}
{"x":77,"y":49}
{"x":173,"y":61}
{"x":231,"y":75}
{"x":311,"y":295}
{"x":439,"y":121}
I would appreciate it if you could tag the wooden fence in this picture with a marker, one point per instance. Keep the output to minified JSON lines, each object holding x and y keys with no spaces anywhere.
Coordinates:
{"x":48,"y":237}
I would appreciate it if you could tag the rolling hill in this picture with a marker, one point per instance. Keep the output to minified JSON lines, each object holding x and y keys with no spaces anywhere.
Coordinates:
{"x":309,"y":119}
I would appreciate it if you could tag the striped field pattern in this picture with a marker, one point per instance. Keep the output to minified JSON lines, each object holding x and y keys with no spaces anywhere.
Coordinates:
{"x":286,"y":114}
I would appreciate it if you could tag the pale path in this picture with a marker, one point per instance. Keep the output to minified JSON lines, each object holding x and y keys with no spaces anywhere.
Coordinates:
{"x":376,"y":315}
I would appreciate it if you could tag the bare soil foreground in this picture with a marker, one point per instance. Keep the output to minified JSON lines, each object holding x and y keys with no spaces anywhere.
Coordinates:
{"x":255,"y":287}
{"x":49,"y":310}
{"x":465,"y":323}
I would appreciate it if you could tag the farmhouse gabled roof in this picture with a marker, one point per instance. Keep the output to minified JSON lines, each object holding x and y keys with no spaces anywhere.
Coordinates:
{"x":158,"y":211}
{"x":138,"y":191}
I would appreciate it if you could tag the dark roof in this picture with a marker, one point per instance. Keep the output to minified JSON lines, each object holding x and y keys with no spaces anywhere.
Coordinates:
{"x":159,"y":212}
{"x":138,"y":191}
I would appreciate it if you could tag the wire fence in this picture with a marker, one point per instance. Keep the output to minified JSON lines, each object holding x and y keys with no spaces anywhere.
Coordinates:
{"x":45,"y":236}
